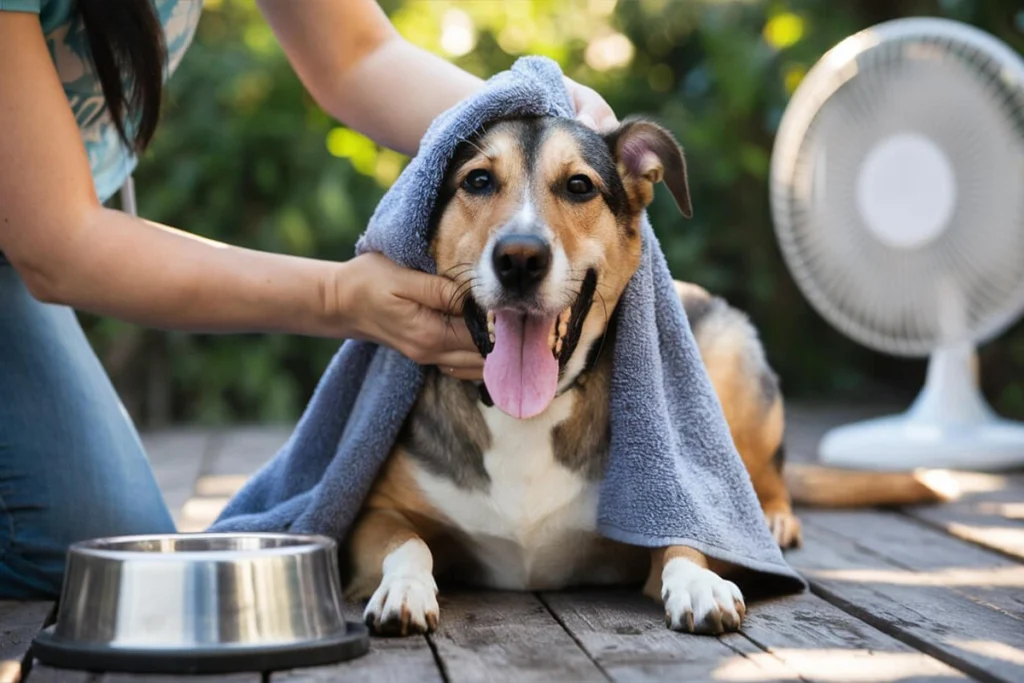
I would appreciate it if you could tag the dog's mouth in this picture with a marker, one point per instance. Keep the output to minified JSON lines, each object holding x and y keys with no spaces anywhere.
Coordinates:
{"x":525,"y":353}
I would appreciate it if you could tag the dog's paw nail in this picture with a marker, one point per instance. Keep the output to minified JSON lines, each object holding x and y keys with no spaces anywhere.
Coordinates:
{"x":731,"y":618}
{"x":679,"y":621}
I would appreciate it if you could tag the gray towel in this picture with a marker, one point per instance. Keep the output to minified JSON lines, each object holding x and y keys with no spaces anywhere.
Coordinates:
{"x":674,"y":476}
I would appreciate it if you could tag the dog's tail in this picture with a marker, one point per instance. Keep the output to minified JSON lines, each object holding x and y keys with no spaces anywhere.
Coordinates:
{"x":832,"y":487}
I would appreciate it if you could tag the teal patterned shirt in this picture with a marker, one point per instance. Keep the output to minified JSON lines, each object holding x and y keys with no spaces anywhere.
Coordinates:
{"x":110,"y":160}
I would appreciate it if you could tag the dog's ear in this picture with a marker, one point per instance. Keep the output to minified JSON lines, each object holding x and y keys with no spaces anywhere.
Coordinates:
{"x":646,"y":153}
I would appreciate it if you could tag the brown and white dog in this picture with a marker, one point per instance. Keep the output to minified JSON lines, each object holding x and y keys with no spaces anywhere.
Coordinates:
{"x":497,"y":485}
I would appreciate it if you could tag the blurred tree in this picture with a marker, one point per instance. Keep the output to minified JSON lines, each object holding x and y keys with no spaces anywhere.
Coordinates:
{"x":245,"y":156}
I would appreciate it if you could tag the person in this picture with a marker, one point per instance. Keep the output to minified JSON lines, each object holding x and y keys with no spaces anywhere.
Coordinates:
{"x":80,"y":94}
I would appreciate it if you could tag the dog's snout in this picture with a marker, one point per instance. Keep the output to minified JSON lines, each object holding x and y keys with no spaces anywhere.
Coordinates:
{"x":521,"y":261}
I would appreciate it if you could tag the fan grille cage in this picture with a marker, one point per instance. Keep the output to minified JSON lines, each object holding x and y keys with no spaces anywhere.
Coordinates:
{"x":953,"y":85}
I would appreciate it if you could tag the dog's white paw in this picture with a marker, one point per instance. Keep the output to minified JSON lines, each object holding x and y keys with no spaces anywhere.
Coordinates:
{"x":406,"y":600}
{"x":699,"y":601}
{"x":403,"y":605}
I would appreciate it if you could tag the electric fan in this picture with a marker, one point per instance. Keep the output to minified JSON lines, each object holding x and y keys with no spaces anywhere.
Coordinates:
{"x":897,"y":194}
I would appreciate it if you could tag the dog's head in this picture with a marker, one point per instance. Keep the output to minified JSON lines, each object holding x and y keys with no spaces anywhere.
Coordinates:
{"x":538,"y":220}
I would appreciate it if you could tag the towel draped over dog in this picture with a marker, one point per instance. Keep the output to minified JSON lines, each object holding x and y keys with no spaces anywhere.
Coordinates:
{"x":673,"y":477}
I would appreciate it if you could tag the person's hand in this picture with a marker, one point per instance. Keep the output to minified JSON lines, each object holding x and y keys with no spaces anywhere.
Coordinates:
{"x":417,"y":314}
{"x":591,"y":109}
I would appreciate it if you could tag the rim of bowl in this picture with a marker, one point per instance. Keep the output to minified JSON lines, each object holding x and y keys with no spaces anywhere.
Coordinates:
{"x":113,"y":547}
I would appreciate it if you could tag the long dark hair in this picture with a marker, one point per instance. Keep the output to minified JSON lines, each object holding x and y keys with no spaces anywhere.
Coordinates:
{"x":126,"y":42}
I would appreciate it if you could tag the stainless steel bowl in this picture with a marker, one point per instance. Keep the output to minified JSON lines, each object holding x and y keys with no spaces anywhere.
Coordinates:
{"x":201,"y":603}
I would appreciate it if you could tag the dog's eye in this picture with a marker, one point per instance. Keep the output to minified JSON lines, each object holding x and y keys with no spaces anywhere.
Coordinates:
{"x":478,"y":181}
{"x":579,"y":185}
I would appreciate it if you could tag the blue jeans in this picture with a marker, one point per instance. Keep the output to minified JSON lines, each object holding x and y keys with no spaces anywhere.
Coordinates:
{"x":72,"y":466}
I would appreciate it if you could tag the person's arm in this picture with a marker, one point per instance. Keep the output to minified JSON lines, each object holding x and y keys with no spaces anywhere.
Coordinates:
{"x":361,"y":71}
{"x":71,"y":250}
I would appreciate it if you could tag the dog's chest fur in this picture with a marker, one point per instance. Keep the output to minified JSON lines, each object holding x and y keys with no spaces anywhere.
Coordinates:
{"x":522,"y":502}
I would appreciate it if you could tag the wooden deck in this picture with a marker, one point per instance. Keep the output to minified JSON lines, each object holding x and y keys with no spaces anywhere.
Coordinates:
{"x":912,"y":595}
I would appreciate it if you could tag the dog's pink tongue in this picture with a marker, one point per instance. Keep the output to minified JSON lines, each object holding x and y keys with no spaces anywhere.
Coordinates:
{"x":521,"y":372}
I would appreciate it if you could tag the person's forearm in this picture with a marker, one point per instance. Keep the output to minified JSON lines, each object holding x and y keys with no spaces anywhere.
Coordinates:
{"x":394,"y":94}
{"x":362,"y":72}
{"x":138,"y":271}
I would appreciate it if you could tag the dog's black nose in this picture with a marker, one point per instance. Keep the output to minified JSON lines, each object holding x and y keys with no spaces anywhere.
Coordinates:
{"x":521,"y":261}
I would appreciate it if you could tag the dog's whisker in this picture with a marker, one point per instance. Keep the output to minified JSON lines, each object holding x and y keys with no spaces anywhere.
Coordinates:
{"x":457,"y":271}
{"x":462,"y":290}
{"x":460,"y":294}
{"x":465,"y":268}
{"x":580,"y":280}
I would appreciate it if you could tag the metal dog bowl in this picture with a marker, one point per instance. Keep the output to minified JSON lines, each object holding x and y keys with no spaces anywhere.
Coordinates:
{"x":201,"y":603}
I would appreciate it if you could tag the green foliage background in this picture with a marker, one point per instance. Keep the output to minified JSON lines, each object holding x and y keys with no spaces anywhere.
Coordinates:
{"x":244,"y":155}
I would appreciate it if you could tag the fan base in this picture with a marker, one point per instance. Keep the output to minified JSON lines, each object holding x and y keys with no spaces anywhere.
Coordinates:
{"x":949,"y":426}
{"x":901,"y":442}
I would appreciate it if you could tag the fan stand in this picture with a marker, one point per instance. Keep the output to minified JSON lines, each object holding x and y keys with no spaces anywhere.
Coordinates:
{"x":949,"y":426}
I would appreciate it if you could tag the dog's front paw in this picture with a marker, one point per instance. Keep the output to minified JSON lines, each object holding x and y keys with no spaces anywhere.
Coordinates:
{"x":785,"y":528}
{"x":699,"y":601}
{"x":403,"y":605}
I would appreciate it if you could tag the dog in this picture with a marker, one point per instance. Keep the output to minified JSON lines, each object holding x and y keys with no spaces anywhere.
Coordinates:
{"x":496,"y":484}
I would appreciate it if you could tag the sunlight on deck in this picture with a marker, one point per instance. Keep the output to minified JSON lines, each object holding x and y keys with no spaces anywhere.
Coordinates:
{"x":220,"y":484}
{"x":992,"y":650}
{"x":1008,"y":539}
{"x":1009,"y":510}
{"x":212,"y":493}
{"x":199,"y":513}
{"x":979,"y":482}
{"x":984,"y":577}
{"x":849,"y":666}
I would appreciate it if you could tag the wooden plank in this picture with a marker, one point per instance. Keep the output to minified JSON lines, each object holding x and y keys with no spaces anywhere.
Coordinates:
{"x":816,"y":639}
{"x":750,"y":663}
{"x":243,"y":450}
{"x":985,"y":643}
{"x":624,"y":632}
{"x":45,"y":674}
{"x":389,"y":659}
{"x":990,"y":512}
{"x":807,"y":423}
{"x":41,"y":673}
{"x":972,"y":523}
{"x":152,"y":678}
{"x":20,"y":621}
{"x":496,"y":636}
{"x":795,"y":638}
{"x":934,"y":558}
{"x":176,"y":456}
{"x":233,"y":457}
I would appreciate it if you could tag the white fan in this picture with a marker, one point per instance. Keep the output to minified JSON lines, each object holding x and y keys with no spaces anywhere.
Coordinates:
{"x":897,"y":191}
